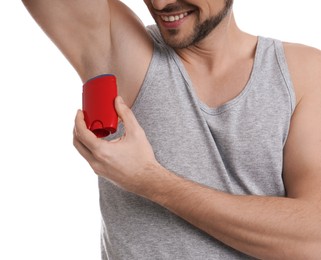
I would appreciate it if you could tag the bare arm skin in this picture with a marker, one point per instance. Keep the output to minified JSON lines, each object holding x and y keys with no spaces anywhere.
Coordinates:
{"x":263,"y":227}
{"x":94,"y":35}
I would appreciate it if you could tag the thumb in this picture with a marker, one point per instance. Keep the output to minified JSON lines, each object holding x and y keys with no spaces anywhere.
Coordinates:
{"x":126,"y":115}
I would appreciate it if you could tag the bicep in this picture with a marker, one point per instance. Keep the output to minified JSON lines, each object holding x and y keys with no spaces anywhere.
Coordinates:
{"x":82,"y":30}
{"x":71,"y":24}
{"x":302,"y":153}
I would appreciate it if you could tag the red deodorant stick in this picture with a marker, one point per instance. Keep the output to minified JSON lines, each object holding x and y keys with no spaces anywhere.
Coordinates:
{"x":98,"y":98}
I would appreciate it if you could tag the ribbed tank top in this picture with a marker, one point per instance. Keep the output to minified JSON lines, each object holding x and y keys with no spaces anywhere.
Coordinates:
{"x":236,"y":147}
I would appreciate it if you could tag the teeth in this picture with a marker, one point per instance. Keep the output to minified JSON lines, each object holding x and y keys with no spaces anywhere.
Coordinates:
{"x":173,"y":18}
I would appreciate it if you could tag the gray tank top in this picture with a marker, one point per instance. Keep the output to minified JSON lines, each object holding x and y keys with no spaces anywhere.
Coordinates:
{"x":236,"y":148}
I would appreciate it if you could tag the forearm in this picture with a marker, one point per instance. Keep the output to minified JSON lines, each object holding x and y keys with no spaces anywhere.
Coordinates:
{"x":263,"y":227}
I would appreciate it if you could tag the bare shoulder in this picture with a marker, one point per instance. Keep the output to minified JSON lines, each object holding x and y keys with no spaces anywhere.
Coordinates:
{"x":304,"y":64}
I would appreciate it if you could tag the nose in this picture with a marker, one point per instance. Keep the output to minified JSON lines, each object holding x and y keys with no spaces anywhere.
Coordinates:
{"x":161,"y":4}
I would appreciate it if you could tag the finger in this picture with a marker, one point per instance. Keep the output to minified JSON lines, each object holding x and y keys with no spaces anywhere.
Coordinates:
{"x":116,"y":140}
{"x":83,"y":150}
{"x":83,"y":135}
{"x":126,"y":115}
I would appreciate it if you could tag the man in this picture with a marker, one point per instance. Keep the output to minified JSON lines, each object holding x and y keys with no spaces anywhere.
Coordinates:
{"x":219,"y":155}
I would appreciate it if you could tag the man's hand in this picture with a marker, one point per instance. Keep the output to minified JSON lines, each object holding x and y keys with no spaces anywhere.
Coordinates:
{"x":125,"y":161}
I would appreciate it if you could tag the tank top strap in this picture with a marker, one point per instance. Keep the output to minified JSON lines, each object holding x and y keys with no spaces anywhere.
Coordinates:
{"x":280,"y":54}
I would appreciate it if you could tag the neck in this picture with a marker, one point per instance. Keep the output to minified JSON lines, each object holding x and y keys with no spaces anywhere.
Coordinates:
{"x":223,"y":45}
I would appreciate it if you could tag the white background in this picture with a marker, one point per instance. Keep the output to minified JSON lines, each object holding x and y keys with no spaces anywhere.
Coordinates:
{"x":48,"y":194}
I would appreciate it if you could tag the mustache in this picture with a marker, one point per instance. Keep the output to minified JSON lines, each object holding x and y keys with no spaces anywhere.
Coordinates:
{"x":175,"y":8}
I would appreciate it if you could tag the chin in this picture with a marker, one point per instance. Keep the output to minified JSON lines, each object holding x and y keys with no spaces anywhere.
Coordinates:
{"x":178,"y":43}
{"x":175,"y":38}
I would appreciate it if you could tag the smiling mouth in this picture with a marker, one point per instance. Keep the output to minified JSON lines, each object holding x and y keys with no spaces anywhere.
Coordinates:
{"x":174,"y":18}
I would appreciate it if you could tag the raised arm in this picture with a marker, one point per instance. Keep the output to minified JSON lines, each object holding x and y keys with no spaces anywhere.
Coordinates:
{"x":97,"y":36}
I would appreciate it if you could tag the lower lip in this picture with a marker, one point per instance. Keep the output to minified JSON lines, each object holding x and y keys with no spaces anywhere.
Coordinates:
{"x":173,"y":25}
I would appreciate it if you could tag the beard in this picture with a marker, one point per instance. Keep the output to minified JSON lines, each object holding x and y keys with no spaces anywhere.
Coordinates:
{"x":200,"y":30}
